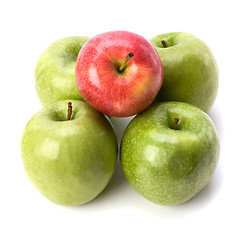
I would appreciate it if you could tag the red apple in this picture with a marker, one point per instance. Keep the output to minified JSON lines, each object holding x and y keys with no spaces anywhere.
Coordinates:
{"x":119,"y":73}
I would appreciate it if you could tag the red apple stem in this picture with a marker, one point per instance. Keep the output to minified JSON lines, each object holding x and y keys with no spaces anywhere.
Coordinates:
{"x":175,"y":124}
{"x":129,"y":56}
{"x":69,"y":111}
{"x":164,"y":43}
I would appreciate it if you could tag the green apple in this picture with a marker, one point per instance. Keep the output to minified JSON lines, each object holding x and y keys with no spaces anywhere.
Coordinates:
{"x":55,"y":71}
{"x":190,"y":70}
{"x":69,"y":156}
{"x":169,"y":152}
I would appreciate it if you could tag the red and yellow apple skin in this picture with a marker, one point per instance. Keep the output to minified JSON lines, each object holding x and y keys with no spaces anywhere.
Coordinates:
{"x":109,"y":90}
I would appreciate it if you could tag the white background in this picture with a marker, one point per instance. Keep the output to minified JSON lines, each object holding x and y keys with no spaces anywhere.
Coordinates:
{"x":217,"y":212}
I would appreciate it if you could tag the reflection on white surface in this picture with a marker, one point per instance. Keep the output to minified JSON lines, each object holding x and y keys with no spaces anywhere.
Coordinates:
{"x":119,"y":125}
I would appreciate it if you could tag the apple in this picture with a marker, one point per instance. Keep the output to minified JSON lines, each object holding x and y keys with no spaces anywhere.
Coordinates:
{"x":55,"y":71}
{"x":190,"y":70}
{"x":170,"y":152}
{"x":119,"y":73}
{"x":69,"y":155}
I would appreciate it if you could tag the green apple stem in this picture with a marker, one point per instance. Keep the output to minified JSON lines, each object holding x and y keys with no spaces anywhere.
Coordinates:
{"x":175,"y":124}
{"x":164,"y":43}
{"x":129,"y":56}
{"x":69,"y":111}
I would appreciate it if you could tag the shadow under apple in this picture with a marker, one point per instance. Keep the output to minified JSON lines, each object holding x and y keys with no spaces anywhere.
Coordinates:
{"x":216,"y":117}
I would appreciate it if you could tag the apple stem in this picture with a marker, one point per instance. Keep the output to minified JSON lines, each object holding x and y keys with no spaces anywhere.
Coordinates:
{"x":129,"y":56}
{"x":175,"y":124}
{"x":164,"y":43}
{"x":69,"y":111}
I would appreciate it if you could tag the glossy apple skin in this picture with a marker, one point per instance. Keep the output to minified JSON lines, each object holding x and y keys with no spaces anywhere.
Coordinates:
{"x":118,"y":94}
{"x":55,"y":71}
{"x":190,"y":70}
{"x":168,"y":166}
{"x":69,"y":162}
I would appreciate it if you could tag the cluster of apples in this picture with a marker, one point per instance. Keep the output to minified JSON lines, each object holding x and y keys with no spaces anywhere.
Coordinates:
{"x":169,"y":151}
